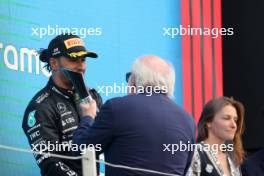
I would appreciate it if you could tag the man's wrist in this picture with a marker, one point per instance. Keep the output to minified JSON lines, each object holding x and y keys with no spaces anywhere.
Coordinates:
{"x":88,"y":116}
{"x":87,"y":119}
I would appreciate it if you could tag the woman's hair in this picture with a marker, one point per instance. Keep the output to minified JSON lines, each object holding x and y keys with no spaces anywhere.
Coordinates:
{"x":208,"y":114}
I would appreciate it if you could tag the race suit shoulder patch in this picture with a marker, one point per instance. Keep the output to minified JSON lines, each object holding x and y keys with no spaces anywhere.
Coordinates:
{"x":31,"y":119}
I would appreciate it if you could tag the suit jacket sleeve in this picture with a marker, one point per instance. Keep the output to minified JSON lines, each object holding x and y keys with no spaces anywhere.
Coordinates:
{"x":98,"y":132}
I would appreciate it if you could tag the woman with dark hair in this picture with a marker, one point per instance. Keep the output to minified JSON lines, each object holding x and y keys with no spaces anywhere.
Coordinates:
{"x":219,"y":151}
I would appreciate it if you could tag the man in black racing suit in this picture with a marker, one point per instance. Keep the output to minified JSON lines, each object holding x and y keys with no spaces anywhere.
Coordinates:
{"x":52,"y":115}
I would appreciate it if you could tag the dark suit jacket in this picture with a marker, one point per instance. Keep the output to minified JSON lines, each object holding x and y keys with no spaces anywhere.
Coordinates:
{"x":133,"y":131}
{"x":254,"y":165}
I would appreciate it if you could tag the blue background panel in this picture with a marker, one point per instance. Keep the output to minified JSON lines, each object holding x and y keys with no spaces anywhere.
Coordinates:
{"x":120,"y":31}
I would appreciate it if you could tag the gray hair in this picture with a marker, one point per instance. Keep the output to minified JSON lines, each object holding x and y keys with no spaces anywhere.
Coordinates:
{"x":146,"y":75}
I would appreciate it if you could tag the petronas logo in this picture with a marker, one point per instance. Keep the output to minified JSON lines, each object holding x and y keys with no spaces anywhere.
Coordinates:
{"x":31,"y":119}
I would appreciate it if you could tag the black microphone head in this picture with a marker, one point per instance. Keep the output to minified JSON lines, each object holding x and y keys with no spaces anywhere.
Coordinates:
{"x":77,"y":80}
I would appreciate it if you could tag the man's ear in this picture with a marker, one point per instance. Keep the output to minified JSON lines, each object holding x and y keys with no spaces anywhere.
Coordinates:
{"x":54,"y":64}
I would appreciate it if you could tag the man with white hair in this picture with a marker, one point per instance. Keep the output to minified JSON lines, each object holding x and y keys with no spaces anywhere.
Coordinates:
{"x":152,"y":74}
{"x":144,"y":129}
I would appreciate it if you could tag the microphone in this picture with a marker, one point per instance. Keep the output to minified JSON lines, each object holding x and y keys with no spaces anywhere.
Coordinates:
{"x":76,"y":78}
{"x":77,"y":81}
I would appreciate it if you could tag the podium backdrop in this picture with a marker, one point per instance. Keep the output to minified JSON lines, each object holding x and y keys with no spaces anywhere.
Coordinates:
{"x":118,"y":30}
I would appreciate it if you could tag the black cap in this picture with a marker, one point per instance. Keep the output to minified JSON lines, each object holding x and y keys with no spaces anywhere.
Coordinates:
{"x":67,"y":45}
